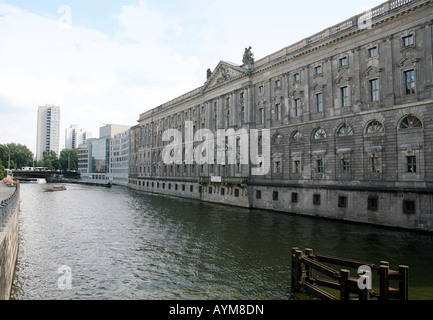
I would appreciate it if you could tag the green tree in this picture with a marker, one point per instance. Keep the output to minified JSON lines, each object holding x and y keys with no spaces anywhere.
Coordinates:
{"x":68,"y":159}
{"x":2,"y":171}
{"x":50,"y":160}
{"x":20,"y":155}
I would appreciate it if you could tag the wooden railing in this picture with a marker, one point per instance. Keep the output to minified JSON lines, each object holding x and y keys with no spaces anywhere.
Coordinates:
{"x":306,"y":265}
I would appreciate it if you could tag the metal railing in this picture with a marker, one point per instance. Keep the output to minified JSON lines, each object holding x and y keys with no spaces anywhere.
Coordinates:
{"x":8,"y":207}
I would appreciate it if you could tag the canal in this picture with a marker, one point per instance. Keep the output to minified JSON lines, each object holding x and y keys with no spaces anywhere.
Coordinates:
{"x":98,"y":243}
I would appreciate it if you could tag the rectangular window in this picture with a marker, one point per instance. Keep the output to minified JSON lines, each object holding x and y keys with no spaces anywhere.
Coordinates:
{"x":319,"y":163}
{"x":297,"y":77}
{"x":316,"y":199}
{"x":294,"y":197}
{"x":183,"y":187}
{"x":261,"y":116}
{"x":411,"y":164}
{"x":319,"y":102}
{"x":261,"y":89}
{"x":318,"y":70}
{"x":258,"y":194}
{"x":275,"y":195}
{"x":409,"y":206}
{"x":223,"y":190}
{"x":408,"y":41}
{"x":236,"y":192}
{"x":191,"y":188}
{"x":297,"y":165}
{"x":342,"y":201}
{"x":375,"y":165}
{"x":372,"y":52}
{"x":343,"y":62}
{"x":277,"y":83}
{"x":374,"y":90}
{"x":373,"y":203}
{"x":344,"y":97}
{"x":297,"y":107}
{"x":409,"y":80}
{"x":278,"y":111}
{"x":210,"y":190}
{"x":277,"y":166}
{"x":345,"y":165}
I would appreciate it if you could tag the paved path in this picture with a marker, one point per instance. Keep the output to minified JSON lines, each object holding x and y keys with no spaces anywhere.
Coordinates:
{"x":5,"y":191}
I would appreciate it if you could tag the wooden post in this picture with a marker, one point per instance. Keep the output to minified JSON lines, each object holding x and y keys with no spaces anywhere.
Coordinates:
{"x":404,"y":282}
{"x":344,"y":289}
{"x":384,"y":281}
{"x":296,"y":270}
{"x":309,"y":274}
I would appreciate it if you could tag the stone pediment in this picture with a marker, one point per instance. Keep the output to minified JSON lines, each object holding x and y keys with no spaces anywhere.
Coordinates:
{"x":223,"y":73}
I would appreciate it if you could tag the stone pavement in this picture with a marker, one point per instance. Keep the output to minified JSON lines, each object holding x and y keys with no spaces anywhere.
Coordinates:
{"x":5,"y":191}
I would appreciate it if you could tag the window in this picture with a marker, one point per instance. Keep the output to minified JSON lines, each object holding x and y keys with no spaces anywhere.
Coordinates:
{"x":319,"y":102}
{"x":372,"y":52}
{"x":294,"y":197}
{"x":278,"y":84}
{"x":319,"y":134}
{"x":277,"y":166}
{"x":343,"y":62}
{"x":318,"y":70}
{"x":409,"y":206}
{"x":316,"y":199}
{"x":373,"y":203}
{"x":345,"y":131}
{"x":261,"y":89}
{"x":258,"y":194}
{"x":223,"y":190}
{"x":319,"y":166}
{"x":409,"y":80}
{"x":375,"y":164}
{"x":344,"y":96}
{"x":342,"y":201}
{"x":345,"y":165}
{"x":297,"y":166}
{"x":275,"y":195}
{"x":210,"y":190}
{"x":408,"y":41}
{"x":374,"y":90}
{"x":236,"y":192}
{"x":411,"y":164}
{"x":410,"y":122}
{"x":297,"y":107}
{"x":375,"y":127}
{"x":298,"y":137}
{"x":261,"y":116}
{"x":191,"y":188}
{"x":297,"y":77}
{"x":183,"y":187}
{"x":278,"y":111}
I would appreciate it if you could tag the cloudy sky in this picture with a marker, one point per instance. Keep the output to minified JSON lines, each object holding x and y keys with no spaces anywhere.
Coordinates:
{"x":109,"y":61}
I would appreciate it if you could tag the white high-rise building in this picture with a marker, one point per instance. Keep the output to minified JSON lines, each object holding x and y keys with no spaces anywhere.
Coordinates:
{"x":74,"y":136}
{"x":48,"y":134}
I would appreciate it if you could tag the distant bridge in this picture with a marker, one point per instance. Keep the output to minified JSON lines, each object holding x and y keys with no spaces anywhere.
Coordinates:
{"x":44,"y":174}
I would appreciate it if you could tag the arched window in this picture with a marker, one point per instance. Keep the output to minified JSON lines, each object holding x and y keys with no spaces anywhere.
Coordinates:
{"x":345,"y":131}
{"x":278,"y":139}
{"x":320,"y":134}
{"x":374,"y":127}
{"x":410,"y":122}
{"x":298,"y":137}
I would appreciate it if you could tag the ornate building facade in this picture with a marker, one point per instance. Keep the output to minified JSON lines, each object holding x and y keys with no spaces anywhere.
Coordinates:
{"x":350,"y":116}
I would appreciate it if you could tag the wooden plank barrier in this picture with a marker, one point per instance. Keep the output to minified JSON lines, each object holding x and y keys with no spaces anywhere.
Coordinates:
{"x":306,"y":265}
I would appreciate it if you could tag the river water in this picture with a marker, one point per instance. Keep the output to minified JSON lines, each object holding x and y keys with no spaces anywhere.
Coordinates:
{"x":98,"y":243}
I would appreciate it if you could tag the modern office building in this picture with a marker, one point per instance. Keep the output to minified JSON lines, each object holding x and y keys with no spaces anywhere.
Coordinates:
{"x":119,"y":158}
{"x":106,"y":159}
{"x":74,"y":136}
{"x":48,"y":130}
{"x":340,"y":125}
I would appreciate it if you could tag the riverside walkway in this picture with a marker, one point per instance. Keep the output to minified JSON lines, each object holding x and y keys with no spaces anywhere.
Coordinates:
{"x":5,"y":191}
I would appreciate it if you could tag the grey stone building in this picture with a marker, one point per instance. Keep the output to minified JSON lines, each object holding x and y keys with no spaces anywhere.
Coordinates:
{"x":345,"y":117}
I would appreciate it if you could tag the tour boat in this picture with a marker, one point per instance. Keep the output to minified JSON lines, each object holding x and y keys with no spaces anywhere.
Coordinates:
{"x":54,"y":188}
